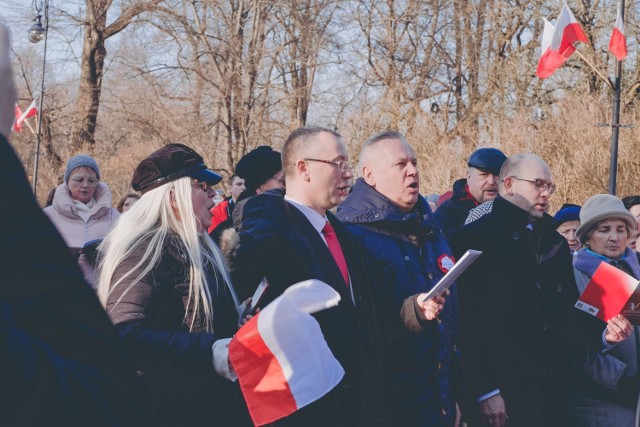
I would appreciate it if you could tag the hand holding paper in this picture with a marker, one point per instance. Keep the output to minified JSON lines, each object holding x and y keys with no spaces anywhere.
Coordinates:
{"x":618,"y":329}
{"x":431,"y":307}
{"x":449,"y":279}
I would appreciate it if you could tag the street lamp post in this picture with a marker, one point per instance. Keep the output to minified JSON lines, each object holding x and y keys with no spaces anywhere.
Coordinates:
{"x":37,"y":32}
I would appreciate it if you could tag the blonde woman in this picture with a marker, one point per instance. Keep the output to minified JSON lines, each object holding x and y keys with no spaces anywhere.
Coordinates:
{"x":165,"y":287}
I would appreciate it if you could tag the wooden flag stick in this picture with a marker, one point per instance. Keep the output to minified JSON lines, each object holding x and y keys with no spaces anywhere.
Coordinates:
{"x":595,"y":70}
{"x":26,"y":122}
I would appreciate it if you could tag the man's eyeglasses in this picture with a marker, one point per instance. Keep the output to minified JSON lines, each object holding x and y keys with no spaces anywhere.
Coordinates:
{"x":343,"y":165}
{"x":202,"y":185}
{"x":91,"y":182}
{"x":540,"y":184}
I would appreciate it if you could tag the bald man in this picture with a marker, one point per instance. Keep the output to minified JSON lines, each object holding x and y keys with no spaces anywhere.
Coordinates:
{"x":515,"y":301}
{"x":395,"y":226}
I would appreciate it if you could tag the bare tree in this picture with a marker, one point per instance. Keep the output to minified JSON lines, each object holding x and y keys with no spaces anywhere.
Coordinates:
{"x":94,"y":52}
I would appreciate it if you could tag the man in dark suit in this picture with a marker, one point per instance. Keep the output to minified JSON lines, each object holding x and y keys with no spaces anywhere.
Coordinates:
{"x":516,"y":304}
{"x":295,"y":238}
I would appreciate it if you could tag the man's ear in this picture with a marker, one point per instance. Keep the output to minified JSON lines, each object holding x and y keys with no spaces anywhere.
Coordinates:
{"x":367,"y":175}
{"x":508,"y":185}
{"x":302,"y":169}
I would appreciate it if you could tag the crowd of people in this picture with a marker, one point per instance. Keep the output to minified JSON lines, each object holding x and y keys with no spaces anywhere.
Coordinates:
{"x":125,"y":316}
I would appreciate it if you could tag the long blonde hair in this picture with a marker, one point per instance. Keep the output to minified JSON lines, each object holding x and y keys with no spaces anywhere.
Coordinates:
{"x":151,"y":221}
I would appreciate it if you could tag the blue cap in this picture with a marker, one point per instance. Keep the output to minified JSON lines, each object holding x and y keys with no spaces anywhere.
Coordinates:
{"x":487,"y":160}
{"x":568,"y":212}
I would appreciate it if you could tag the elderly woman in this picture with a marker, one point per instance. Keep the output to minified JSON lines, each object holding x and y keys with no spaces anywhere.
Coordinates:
{"x":566,"y":222}
{"x":605,"y":385}
{"x":164,"y":285}
{"x":81,"y":209}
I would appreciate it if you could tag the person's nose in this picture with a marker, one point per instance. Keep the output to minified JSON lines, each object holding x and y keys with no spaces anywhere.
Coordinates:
{"x":412,"y":170}
{"x":492,"y":180}
{"x":572,"y":236}
{"x":210,"y":192}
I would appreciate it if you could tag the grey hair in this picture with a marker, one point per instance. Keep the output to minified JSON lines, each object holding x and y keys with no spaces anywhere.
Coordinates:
{"x":380,"y":136}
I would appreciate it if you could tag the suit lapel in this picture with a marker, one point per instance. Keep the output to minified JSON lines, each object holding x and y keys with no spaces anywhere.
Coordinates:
{"x":329,"y":270}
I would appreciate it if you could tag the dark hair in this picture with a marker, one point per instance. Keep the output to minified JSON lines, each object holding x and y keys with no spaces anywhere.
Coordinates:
{"x":124,"y":198}
{"x":298,"y":139}
{"x":630,"y":201}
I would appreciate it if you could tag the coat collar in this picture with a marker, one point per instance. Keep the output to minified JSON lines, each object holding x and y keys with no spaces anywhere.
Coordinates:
{"x":517,"y":217}
{"x":366,"y":205}
{"x":63,"y":203}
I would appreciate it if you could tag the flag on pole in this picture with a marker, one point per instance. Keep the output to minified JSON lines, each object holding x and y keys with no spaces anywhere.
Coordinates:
{"x":29,"y":112}
{"x":567,"y":31}
{"x":18,"y":114}
{"x":280,"y":356}
{"x":618,"y":42}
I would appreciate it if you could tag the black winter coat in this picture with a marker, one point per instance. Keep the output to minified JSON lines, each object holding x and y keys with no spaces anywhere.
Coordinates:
{"x":61,"y":362}
{"x":514,"y":304}
{"x":452,"y":213}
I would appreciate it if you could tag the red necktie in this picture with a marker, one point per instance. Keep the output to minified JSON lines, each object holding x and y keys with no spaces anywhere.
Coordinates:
{"x":336,"y":250}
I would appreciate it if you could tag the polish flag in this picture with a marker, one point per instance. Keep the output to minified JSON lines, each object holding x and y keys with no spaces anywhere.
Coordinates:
{"x":611,"y":292}
{"x":618,"y":42}
{"x":567,"y":31}
{"x":18,"y":114}
{"x":280,"y":356}
{"x":29,"y":112}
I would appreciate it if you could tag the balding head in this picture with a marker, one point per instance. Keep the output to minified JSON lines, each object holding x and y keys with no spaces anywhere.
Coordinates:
{"x":368,"y":153}
{"x":388,"y":163}
{"x":521,"y":177}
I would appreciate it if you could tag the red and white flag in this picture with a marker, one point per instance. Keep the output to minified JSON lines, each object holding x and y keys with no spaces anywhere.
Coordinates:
{"x":18,"y":113}
{"x":567,"y":31}
{"x":280,"y":356}
{"x":618,"y":42}
{"x":29,"y":112}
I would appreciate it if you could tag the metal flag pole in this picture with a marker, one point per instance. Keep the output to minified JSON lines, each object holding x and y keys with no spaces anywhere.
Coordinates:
{"x":615,"y":118}
{"x":37,"y":33}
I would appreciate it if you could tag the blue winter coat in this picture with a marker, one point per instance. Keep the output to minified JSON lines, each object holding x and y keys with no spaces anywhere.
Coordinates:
{"x":405,"y":249}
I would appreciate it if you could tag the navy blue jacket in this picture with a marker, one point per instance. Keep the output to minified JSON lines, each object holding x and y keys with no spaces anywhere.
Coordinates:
{"x":404,"y":249}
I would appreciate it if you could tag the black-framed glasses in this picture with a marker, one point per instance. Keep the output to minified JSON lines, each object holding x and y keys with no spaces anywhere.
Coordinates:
{"x":343,"y":165}
{"x":202,"y":185}
{"x":540,"y":184}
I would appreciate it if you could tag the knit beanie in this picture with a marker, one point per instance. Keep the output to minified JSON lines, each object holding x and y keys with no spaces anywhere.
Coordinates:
{"x":257,"y":166}
{"x":568,"y":212}
{"x":599,"y":208}
{"x":79,"y":161}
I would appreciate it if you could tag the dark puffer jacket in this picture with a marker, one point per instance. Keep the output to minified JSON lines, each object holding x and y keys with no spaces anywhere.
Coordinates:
{"x":405,"y":249}
{"x":176,"y":364}
{"x":452,"y":213}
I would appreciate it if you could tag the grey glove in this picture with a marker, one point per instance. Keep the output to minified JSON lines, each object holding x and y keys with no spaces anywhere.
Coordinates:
{"x":7,"y":90}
